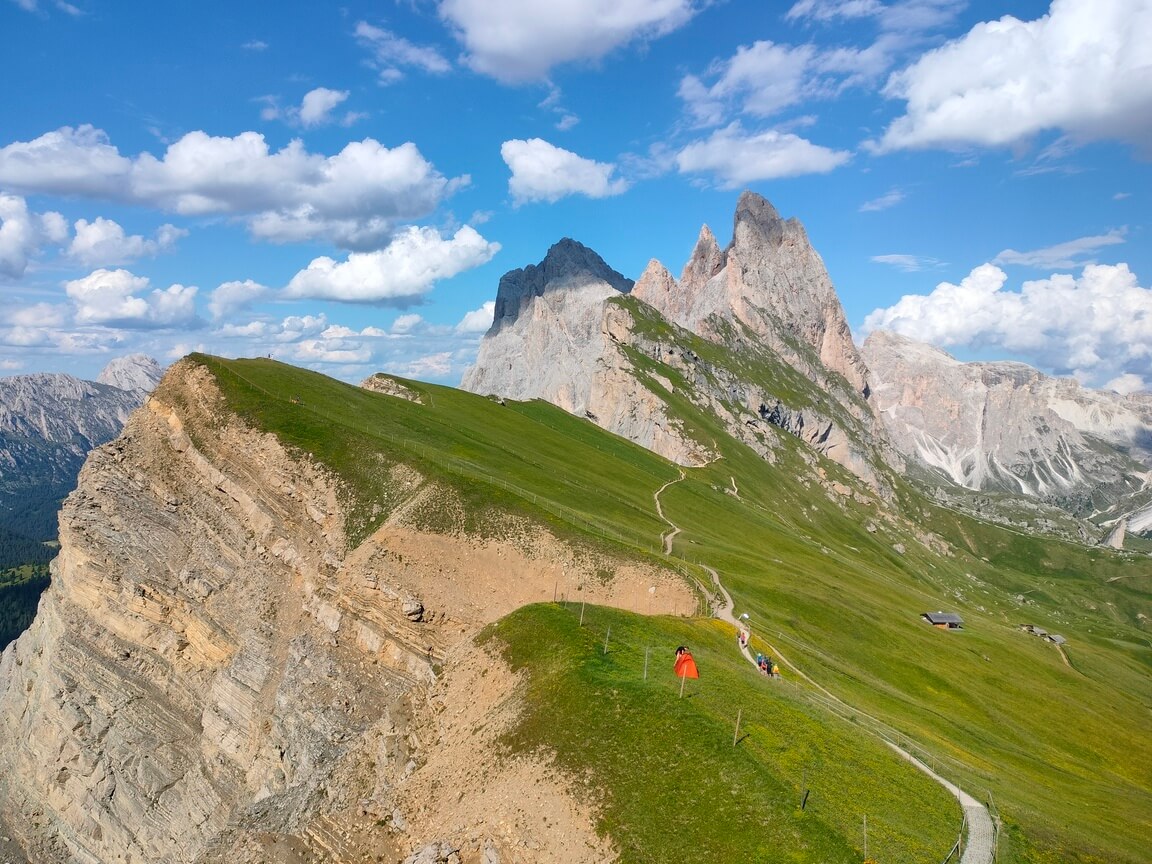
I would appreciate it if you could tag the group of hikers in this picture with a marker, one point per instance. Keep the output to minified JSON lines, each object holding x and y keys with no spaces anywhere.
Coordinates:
{"x":767,"y":666}
{"x":764,"y":664}
{"x":686,"y":666}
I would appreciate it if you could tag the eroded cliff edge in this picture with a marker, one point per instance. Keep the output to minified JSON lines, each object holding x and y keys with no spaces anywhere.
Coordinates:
{"x":214,"y":676}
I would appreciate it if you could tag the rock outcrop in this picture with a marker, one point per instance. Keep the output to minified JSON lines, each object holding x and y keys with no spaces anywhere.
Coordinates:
{"x":562,"y":333}
{"x":1007,"y":427}
{"x":215,"y":676}
{"x":772,"y":281}
{"x":556,"y":337}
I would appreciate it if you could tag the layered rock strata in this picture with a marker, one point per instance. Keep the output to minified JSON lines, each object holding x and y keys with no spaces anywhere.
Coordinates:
{"x":213,"y":676}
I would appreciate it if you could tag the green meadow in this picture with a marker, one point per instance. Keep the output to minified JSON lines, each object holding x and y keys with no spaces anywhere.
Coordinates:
{"x":1058,"y":743}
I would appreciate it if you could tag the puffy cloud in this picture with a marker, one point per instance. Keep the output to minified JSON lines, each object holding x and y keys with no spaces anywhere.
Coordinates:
{"x":1126,"y":383}
{"x":398,"y":275}
{"x":331,"y":351}
{"x":1073,"y":253}
{"x":230,"y":297}
{"x":317,"y":106}
{"x":1097,"y":325}
{"x":544,"y":172}
{"x":520,"y":40}
{"x":355,"y":196}
{"x":39,"y":315}
{"x":391,"y":52}
{"x":315,"y":109}
{"x":478,"y":320}
{"x":405,"y":324}
{"x":1082,"y":69}
{"x":103,"y":242}
{"x":761,"y":79}
{"x":438,"y":365}
{"x":68,"y":161}
{"x":23,"y":234}
{"x":113,"y":297}
{"x":738,"y":158}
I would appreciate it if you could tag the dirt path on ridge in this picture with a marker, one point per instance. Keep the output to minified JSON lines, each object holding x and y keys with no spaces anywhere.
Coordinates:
{"x":666,"y":537}
{"x":981,"y":846}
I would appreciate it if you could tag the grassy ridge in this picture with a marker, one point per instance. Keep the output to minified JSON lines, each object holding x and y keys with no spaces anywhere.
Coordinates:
{"x":1063,"y":749}
{"x":677,"y":789}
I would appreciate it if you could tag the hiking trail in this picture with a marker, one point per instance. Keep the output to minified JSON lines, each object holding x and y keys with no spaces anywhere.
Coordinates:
{"x":981,"y":845}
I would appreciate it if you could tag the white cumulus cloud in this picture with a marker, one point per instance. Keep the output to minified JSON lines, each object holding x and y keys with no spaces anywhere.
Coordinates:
{"x":120,"y":298}
{"x":738,"y":158}
{"x":102,"y":242}
{"x":1082,"y":68}
{"x":317,"y":106}
{"x":520,"y":40}
{"x":760,"y":79}
{"x":23,"y":234}
{"x":353,"y":198}
{"x":1097,"y":326}
{"x":545,"y":172}
{"x":477,"y":320}
{"x":230,"y":297}
{"x":398,"y":275}
{"x":405,"y":324}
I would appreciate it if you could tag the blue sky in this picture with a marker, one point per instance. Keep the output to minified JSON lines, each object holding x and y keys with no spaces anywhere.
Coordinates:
{"x":343,"y":186}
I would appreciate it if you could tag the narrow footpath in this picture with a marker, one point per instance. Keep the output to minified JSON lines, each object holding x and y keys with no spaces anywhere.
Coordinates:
{"x":981,"y":845}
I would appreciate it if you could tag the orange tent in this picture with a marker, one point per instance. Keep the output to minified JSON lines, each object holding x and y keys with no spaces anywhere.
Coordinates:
{"x":686,"y":666}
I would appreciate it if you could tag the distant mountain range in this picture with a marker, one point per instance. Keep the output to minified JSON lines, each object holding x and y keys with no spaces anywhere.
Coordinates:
{"x":48,"y":424}
{"x":754,"y":334}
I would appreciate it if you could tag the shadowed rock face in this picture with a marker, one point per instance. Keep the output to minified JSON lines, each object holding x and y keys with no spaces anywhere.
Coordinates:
{"x":1008,"y":427}
{"x":568,"y":265}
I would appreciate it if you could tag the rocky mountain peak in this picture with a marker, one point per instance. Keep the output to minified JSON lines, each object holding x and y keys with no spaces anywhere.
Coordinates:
{"x":707,"y":260}
{"x":757,"y":222}
{"x":134,"y":372}
{"x":568,"y":265}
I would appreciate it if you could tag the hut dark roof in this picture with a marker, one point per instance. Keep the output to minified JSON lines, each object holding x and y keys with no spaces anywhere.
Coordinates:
{"x":949,"y":618}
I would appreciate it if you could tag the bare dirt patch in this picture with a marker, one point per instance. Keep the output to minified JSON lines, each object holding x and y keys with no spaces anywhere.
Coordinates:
{"x":468,"y":793}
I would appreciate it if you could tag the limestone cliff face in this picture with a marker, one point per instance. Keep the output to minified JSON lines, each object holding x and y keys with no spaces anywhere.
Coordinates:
{"x":771,"y":280}
{"x":213,"y":676}
{"x":560,"y":334}
{"x":1007,"y":427}
{"x":556,"y":337}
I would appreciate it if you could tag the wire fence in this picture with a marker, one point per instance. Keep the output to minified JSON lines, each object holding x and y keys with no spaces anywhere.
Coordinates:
{"x":681,"y":564}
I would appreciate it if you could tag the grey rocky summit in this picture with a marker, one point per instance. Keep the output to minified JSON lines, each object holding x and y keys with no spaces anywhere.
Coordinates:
{"x":561,"y":332}
{"x":134,"y":372}
{"x":568,"y":265}
{"x":49,"y":421}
